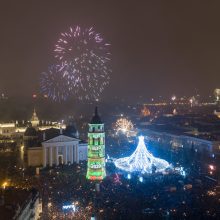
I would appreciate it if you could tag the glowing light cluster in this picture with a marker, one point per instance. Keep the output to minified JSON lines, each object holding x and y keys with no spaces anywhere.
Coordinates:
{"x":83,"y":59}
{"x":69,"y":207}
{"x":145,"y":111}
{"x":123,"y":125}
{"x":217,"y":94}
{"x":141,"y":161}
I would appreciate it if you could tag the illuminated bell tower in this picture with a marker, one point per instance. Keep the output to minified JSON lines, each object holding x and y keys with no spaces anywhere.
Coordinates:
{"x":96,"y":149}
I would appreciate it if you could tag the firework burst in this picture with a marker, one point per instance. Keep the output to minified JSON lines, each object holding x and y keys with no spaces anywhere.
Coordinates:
{"x":123,"y":125}
{"x":86,"y":55}
{"x":54,"y":83}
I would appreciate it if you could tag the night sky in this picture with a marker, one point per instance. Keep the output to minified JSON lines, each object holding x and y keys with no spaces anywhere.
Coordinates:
{"x":158,"y":47}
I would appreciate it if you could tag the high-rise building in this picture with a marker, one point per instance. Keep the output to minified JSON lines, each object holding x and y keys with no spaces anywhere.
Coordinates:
{"x":96,"y":149}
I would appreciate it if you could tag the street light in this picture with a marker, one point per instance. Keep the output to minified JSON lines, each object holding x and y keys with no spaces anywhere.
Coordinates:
{"x":4,"y":184}
{"x":211,"y":167}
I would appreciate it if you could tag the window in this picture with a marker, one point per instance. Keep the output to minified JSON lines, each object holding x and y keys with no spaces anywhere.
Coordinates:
{"x":90,"y":141}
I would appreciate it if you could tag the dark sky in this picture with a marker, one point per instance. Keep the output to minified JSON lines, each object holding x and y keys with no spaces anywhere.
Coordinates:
{"x":158,"y":47}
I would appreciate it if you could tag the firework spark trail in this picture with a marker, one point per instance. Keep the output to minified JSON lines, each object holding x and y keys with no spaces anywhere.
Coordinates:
{"x":53,"y":83}
{"x":123,"y":125}
{"x":86,"y":56}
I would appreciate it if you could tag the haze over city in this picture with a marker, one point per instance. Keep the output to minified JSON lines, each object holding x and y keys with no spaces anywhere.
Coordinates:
{"x":158,"y":48}
{"x":109,"y":110}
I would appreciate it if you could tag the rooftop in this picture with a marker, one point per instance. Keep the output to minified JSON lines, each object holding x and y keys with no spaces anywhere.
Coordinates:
{"x":14,"y":200}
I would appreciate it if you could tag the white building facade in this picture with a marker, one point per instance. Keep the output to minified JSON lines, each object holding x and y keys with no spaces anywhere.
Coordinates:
{"x":63,"y":150}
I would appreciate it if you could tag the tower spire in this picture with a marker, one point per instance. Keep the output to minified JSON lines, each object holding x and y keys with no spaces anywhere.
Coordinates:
{"x":96,"y":118}
{"x":34,"y":113}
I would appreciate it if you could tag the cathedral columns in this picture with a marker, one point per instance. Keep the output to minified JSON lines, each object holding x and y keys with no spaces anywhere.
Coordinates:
{"x":44,"y":156}
{"x":65,"y":155}
{"x":56,"y":156}
{"x":67,"y":150}
{"x":74,"y":150}
{"x":71,"y":154}
{"x":51,"y":156}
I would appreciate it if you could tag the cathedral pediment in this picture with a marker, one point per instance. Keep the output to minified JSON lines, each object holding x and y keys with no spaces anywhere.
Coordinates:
{"x":61,"y":138}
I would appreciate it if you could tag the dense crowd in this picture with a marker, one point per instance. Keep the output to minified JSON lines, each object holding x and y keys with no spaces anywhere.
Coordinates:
{"x":157,"y":196}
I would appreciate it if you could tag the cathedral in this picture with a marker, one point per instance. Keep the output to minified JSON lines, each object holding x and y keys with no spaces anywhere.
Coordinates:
{"x":57,"y":146}
{"x":63,"y":149}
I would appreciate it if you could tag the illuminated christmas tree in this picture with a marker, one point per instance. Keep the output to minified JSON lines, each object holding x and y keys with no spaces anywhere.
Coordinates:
{"x":141,"y":161}
{"x":96,"y":149}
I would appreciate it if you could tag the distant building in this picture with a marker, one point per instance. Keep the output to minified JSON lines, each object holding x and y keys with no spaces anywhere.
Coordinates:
{"x":18,"y":128}
{"x":20,"y":204}
{"x":177,"y":139}
{"x":217,"y":95}
{"x":7,"y":129}
{"x":193,"y":101}
{"x":217,"y":101}
{"x":34,"y":119}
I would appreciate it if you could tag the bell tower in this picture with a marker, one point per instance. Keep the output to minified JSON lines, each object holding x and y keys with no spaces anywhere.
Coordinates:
{"x":96,"y":149}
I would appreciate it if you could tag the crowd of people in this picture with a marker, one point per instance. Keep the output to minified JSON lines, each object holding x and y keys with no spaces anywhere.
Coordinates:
{"x":67,"y":194}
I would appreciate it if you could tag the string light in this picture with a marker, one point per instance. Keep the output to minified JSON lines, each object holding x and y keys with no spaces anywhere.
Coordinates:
{"x":141,"y":161}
